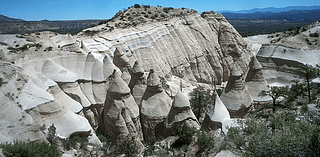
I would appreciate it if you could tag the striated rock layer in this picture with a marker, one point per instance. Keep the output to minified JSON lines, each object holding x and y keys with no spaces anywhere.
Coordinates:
{"x":180,"y":114}
{"x":155,"y":106}
{"x":138,"y":83}
{"x":68,"y":82}
{"x":196,"y":48}
{"x":256,"y":81}
{"x":236,"y":96}
{"x":121,"y":113}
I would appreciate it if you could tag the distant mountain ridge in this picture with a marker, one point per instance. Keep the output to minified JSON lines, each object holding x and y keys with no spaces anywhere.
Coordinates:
{"x":272,"y":9}
{"x":8,"y":19}
{"x":269,"y":20}
{"x":292,"y":15}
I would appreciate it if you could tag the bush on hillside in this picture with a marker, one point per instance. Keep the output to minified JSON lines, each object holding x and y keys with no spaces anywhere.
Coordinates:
{"x":185,"y":134}
{"x":204,"y":141}
{"x":314,"y":34}
{"x":24,"y":149}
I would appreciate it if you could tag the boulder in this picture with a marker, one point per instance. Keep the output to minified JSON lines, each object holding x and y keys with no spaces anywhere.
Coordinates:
{"x":180,"y":114}
{"x":236,"y":96}
{"x":155,"y":106}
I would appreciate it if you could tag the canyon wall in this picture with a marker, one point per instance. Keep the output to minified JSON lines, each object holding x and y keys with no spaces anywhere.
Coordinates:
{"x":197,"y":48}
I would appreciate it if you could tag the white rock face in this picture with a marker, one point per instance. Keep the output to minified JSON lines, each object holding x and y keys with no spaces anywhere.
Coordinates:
{"x":256,"y":82}
{"x":32,"y":96}
{"x":191,"y":50}
{"x":65,"y":121}
{"x":219,"y":113}
{"x":15,"y":124}
{"x":68,"y":102}
{"x":217,"y":116}
{"x":57,"y":73}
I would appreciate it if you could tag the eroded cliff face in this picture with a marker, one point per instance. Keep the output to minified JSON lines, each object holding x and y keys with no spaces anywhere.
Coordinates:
{"x":68,"y":79}
{"x":197,"y":48}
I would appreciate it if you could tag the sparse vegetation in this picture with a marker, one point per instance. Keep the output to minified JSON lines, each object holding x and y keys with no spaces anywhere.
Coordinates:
{"x":284,"y":132}
{"x":275,"y":92}
{"x":127,"y":147}
{"x":51,"y":136}
{"x":136,"y":6}
{"x":48,"y":49}
{"x":316,"y":34}
{"x":90,"y":33}
{"x":25,"y":149}
{"x":204,"y":141}
{"x":308,"y":73}
{"x":280,"y":135}
{"x":3,"y":43}
{"x":200,"y":100}
{"x":185,"y":134}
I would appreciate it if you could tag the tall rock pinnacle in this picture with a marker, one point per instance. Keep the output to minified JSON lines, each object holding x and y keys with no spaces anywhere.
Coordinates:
{"x":236,"y":96}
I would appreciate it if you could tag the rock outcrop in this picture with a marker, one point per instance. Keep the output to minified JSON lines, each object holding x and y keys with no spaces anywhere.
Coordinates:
{"x":180,"y":114}
{"x":198,"y":48}
{"x":68,"y":102}
{"x":216,"y":115}
{"x":236,"y":96}
{"x":65,"y":121}
{"x":138,"y":83}
{"x":155,"y":106}
{"x":126,"y":75}
{"x":121,"y":113}
{"x":256,"y":81}
{"x":280,"y":62}
{"x":16,"y":124}
{"x":120,"y":59}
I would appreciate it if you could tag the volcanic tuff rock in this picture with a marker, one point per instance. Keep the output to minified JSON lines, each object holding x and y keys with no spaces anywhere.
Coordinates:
{"x":138,"y":83}
{"x":68,"y":77}
{"x":196,"y":48}
{"x":180,"y":114}
{"x":256,"y":81}
{"x":281,"y":53}
{"x":216,"y":115}
{"x":155,"y":106}
{"x":121,"y":113}
{"x":236,"y":96}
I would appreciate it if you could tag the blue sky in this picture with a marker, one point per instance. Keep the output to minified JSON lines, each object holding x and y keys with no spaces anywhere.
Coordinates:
{"x":104,"y":9}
